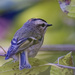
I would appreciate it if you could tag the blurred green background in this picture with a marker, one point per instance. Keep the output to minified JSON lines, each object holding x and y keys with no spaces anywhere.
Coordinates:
{"x":16,"y":12}
{"x":62,"y":31}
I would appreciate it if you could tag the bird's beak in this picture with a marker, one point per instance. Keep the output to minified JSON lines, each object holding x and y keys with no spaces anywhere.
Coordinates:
{"x":49,"y":25}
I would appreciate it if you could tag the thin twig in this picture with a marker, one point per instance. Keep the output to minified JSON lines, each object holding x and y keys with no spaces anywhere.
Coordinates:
{"x":60,"y":66}
{"x":57,"y":65}
{"x":3,"y":49}
{"x":3,"y":55}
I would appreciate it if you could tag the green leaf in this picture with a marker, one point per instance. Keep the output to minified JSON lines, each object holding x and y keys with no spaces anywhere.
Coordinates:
{"x":64,"y":60}
{"x":71,"y":9}
{"x":11,"y":68}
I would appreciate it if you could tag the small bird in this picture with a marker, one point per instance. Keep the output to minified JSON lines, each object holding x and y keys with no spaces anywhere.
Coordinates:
{"x":27,"y":41}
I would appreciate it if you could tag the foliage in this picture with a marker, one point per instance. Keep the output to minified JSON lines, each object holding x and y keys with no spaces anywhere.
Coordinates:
{"x":39,"y":66}
{"x":64,"y":60}
{"x":11,"y":68}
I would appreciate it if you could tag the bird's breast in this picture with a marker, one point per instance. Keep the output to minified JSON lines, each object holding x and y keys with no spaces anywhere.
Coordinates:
{"x":33,"y":50}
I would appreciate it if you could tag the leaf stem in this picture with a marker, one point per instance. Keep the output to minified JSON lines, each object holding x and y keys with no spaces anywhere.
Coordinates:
{"x":60,"y":66}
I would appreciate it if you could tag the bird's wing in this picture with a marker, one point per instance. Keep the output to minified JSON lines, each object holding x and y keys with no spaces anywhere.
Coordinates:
{"x":29,"y":42}
{"x":20,"y":45}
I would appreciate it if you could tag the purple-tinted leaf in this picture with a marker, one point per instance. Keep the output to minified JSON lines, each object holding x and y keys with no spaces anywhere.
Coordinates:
{"x":64,"y":4}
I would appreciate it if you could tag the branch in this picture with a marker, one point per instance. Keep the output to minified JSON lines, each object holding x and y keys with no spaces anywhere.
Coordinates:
{"x":50,"y":48}
{"x":58,"y":48}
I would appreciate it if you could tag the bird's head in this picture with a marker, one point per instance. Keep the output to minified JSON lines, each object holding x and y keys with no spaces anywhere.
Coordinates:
{"x":38,"y":25}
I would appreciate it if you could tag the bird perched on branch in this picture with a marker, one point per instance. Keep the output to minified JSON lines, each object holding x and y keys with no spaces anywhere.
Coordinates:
{"x":27,"y":41}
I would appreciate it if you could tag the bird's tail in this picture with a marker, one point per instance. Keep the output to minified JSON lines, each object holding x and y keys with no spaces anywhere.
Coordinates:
{"x":23,"y":61}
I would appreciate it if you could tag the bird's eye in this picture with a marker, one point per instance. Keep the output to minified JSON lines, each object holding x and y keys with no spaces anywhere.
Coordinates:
{"x":43,"y":25}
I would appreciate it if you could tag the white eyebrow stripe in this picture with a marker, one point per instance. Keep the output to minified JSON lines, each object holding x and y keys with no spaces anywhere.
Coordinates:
{"x":39,"y":22}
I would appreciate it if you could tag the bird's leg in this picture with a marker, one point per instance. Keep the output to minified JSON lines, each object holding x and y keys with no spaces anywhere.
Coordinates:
{"x":23,"y":61}
{"x":3,"y":50}
{"x":27,"y":62}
